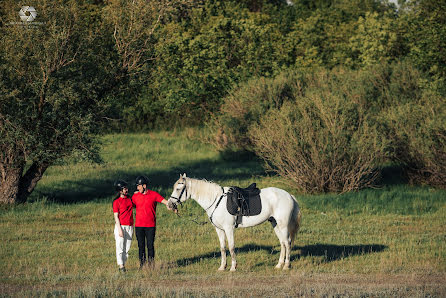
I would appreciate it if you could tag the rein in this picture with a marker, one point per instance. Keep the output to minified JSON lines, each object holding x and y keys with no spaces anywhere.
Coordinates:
{"x":178,"y":202}
{"x":193,"y":220}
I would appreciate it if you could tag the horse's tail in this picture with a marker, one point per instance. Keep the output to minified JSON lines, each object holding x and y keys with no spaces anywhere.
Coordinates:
{"x":297,"y":217}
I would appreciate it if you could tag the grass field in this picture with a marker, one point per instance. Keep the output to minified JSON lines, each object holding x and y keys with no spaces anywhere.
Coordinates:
{"x":384,"y":242}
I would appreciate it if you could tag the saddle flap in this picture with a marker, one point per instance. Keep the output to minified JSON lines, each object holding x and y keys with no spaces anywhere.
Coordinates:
{"x":244,"y":201}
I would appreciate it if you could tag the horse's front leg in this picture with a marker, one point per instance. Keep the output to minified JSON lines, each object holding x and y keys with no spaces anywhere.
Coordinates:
{"x":230,"y":236}
{"x":222,"y":238}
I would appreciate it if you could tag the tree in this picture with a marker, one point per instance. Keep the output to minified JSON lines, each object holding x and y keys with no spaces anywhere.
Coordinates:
{"x":424,"y":26}
{"x":375,"y":40}
{"x":58,"y":73}
{"x":47,"y":109}
{"x":199,"y":59}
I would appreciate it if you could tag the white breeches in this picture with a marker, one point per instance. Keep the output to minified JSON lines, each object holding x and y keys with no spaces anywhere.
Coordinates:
{"x":123,"y":243}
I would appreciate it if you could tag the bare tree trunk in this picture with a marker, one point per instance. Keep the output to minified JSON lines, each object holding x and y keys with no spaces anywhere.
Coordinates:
{"x":9,"y":186}
{"x":15,"y":188}
{"x":29,"y":181}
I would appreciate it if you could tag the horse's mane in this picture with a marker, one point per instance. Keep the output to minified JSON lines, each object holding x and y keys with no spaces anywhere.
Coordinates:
{"x":203,"y":188}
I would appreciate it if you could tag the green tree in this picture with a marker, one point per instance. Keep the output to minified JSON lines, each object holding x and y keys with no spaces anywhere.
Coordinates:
{"x":423,"y":24}
{"x":46,"y":111}
{"x":375,"y":41}
{"x":200,"y":59}
{"x":58,"y":74}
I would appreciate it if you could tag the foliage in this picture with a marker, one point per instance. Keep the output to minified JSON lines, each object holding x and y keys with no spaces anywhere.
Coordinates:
{"x":61,"y":75}
{"x":417,"y":129}
{"x":423,"y":24}
{"x":375,"y":40}
{"x":387,"y":102}
{"x":247,"y":105}
{"x":324,"y":140}
{"x":180,"y":58}
{"x":218,"y":45}
{"x":175,"y":63}
{"x":198,"y":60}
{"x":47,"y":109}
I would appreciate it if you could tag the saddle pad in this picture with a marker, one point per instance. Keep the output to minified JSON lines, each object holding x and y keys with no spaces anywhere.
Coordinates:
{"x":248,"y":205}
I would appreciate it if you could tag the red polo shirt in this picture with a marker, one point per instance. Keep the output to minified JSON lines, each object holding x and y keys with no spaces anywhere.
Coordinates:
{"x":124,"y":208}
{"x":146,"y":208}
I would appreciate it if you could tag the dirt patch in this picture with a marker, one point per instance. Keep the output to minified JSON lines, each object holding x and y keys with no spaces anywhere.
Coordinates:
{"x":227,"y":284}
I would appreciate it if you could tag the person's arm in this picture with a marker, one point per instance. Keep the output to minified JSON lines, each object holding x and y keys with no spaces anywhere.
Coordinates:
{"x":118,"y":224}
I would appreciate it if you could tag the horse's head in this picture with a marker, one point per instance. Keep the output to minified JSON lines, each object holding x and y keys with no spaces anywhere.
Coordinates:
{"x":179,"y":193}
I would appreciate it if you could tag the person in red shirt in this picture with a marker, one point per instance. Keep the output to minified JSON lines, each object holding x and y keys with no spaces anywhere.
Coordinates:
{"x":145,"y":201}
{"x":123,"y":214}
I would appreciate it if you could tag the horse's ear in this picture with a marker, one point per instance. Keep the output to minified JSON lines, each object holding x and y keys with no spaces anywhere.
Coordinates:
{"x":184,"y":175}
{"x":181,"y":176}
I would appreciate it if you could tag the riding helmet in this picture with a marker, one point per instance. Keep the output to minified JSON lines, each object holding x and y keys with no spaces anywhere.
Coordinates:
{"x":120,"y":185}
{"x":141,"y":180}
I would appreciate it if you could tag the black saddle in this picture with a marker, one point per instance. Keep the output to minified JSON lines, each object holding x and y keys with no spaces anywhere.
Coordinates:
{"x":243,"y":202}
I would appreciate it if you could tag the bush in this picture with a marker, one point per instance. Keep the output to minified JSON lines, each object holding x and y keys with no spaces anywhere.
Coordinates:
{"x":417,"y":130}
{"x":246,"y":104}
{"x":328,"y":130}
{"x":324,"y":140}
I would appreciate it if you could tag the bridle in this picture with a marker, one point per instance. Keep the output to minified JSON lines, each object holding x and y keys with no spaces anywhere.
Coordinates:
{"x":184,"y":190}
{"x":178,"y":200}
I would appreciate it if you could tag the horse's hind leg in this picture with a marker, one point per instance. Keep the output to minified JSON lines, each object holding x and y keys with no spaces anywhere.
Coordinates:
{"x":222,"y":238}
{"x":282,"y":248}
{"x":287,"y":252}
{"x":285,"y":247}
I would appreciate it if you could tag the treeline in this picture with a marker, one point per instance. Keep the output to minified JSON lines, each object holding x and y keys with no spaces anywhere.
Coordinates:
{"x":326,"y":92}
{"x":213,"y":46}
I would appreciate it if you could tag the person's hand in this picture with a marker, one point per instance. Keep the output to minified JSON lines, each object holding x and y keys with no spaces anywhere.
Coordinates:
{"x":172,"y":208}
{"x":120,"y":233}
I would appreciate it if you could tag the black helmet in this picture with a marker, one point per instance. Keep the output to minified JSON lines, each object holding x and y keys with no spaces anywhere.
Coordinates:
{"x":120,"y":185}
{"x":140,"y":180}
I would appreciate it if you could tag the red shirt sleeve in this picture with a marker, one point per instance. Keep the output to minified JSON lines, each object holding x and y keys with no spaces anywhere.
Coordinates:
{"x":115,"y":206}
{"x":159,"y":198}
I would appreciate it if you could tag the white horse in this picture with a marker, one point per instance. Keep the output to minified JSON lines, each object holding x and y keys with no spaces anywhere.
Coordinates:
{"x":278,"y":206}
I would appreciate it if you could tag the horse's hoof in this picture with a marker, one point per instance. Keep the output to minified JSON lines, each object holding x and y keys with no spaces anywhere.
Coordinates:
{"x":278,"y":266}
{"x":233,"y":270}
{"x":221,"y":269}
{"x":287,"y":267}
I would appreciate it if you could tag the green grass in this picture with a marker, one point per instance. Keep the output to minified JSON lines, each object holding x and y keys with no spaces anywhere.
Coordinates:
{"x":379,"y":242}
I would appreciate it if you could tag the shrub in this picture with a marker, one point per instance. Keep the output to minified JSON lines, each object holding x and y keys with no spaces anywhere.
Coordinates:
{"x":417,"y":130}
{"x":246,"y":104}
{"x":324,"y":140}
{"x":328,"y":130}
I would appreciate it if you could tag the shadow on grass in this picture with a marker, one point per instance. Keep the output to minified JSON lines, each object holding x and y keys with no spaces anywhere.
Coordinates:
{"x":101,"y":188}
{"x":330,"y":252}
